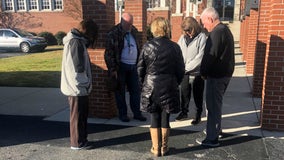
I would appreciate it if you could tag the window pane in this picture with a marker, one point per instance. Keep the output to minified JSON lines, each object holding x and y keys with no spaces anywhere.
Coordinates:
{"x":33,"y":4}
{"x":21,"y":5}
{"x":45,"y":4}
{"x":8,"y":5}
{"x":57,"y":4}
{"x":9,"y":34}
{"x":153,"y":3}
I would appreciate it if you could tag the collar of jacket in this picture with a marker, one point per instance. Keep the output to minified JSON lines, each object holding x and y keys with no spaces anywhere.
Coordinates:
{"x":77,"y":33}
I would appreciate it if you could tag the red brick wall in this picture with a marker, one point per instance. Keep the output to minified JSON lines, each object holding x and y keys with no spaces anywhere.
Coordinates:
{"x":251,"y":40}
{"x":51,"y":21}
{"x":152,"y":14}
{"x":243,"y":28}
{"x":264,"y":11}
{"x":273,"y":87}
{"x":102,"y":102}
{"x":244,"y":33}
{"x":176,"y":28}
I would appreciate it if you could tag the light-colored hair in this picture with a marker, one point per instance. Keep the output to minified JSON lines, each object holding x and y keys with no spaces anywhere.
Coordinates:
{"x":161,"y":27}
{"x":210,"y":12}
{"x":191,"y":25}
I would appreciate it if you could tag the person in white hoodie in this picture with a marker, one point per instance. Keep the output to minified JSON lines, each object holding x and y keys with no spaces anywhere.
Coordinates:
{"x":76,"y":78}
{"x":192,"y":44}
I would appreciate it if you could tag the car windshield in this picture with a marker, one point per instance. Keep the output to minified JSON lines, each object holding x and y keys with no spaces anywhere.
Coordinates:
{"x":23,"y":33}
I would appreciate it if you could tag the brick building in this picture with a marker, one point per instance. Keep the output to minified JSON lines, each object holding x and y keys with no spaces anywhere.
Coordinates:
{"x":262,"y":44}
{"x":261,"y":38}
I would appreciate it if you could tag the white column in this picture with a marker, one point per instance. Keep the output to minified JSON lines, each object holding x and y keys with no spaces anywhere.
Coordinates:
{"x":187,"y":8}
{"x":178,"y":7}
{"x":162,"y":3}
{"x":195,"y":9}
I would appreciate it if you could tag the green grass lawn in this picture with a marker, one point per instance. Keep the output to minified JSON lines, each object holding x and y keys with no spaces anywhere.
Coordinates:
{"x":32,"y":70}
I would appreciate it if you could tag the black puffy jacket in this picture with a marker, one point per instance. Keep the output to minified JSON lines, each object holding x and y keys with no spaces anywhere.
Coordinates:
{"x":160,"y":69}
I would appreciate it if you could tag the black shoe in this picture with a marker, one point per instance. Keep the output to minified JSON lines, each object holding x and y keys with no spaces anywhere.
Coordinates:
{"x":208,"y":143}
{"x":182,"y":116}
{"x":124,"y":119}
{"x":196,"y":121}
{"x":140,"y":118}
{"x":221,"y":134}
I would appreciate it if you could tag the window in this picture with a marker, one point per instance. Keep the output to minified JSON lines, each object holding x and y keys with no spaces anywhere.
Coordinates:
{"x":34,"y":5}
{"x":1,"y":33}
{"x":45,"y":4}
{"x":153,"y":3}
{"x":21,"y":5}
{"x":57,"y":4}
{"x":8,"y":5}
{"x":9,"y":34}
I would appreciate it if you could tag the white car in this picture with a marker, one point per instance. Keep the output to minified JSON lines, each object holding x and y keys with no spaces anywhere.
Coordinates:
{"x":16,"y":39}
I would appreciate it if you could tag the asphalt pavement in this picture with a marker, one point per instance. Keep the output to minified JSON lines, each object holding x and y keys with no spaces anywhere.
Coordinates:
{"x":34,"y":125}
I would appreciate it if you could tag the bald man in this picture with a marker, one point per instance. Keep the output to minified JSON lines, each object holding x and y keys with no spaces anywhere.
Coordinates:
{"x":121,"y":55}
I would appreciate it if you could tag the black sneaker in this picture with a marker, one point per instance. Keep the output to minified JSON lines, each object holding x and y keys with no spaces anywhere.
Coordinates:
{"x":208,"y":143}
{"x":124,"y":119}
{"x":182,"y":117}
{"x":140,"y":118}
{"x":221,"y":134}
{"x":196,"y":121}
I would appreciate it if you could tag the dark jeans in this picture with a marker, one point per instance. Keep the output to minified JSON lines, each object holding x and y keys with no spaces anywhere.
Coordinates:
{"x":215,"y":90}
{"x":160,"y":119}
{"x":79,"y":107}
{"x":196,"y":85}
{"x":128,"y":76}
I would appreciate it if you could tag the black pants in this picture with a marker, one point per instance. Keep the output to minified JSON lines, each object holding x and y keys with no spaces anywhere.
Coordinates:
{"x":79,"y":107}
{"x":160,"y":119}
{"x":196,"y":85}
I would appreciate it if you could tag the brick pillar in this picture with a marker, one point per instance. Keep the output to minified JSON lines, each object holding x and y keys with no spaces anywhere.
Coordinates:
{"x":272,"y":116}
{"x":264,"y":12}
{"x":138,"y":9}
{"x":242,"y":30}
{"x":102,"y":102}
{"x":176,"y":28}
{"x":251,"y":40}
{"x":245,"y":40}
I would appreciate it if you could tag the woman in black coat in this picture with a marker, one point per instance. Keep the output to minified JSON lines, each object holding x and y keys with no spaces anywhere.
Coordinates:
{"x":160,"y":69}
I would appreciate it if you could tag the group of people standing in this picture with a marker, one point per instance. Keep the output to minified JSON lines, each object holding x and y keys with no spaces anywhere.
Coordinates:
{"x":159,"y":78}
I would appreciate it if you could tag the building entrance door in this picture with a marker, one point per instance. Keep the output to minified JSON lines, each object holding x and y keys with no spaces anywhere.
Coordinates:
{"x":225,"y":9}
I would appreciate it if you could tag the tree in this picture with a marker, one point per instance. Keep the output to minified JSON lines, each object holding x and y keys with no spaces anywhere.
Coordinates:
{"x":12,"y":20}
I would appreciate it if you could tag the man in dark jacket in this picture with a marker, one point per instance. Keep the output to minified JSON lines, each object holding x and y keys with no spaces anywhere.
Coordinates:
{"x":121,"y":54}
{"x":217,"y":68}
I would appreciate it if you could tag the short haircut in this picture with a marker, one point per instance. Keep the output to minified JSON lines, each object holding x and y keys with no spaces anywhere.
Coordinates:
{"x":160,"y":27}
{"x":210,"y":12}
{"x":190,"y":24}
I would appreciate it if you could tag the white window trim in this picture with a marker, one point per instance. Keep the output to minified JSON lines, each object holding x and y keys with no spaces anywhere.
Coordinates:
{"x":27,"y":6}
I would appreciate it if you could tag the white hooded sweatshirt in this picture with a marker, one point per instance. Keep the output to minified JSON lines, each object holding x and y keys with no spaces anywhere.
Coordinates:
{"x":76,"y":76}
